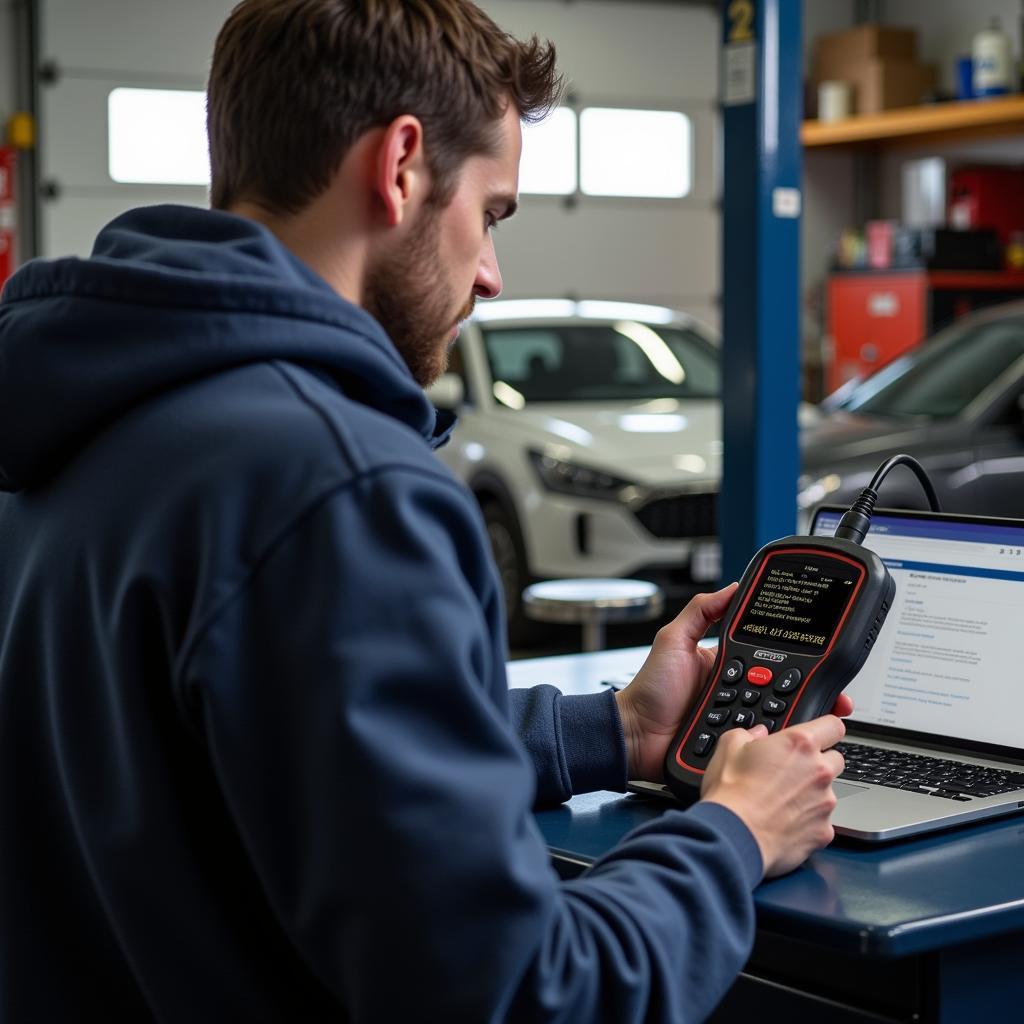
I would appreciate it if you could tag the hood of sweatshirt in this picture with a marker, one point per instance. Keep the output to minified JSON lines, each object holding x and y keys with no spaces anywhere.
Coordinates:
{"x":171,"y":294}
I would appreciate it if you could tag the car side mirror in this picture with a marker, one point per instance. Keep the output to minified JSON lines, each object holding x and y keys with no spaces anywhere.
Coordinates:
{"x":447,"y":392}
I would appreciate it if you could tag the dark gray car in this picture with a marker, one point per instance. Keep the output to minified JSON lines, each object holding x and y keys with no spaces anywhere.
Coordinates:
{"x":955,"y":402}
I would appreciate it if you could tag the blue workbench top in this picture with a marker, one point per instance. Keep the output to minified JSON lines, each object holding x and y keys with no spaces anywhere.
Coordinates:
{"x":894,"y":899}
{"x":891,"y":899}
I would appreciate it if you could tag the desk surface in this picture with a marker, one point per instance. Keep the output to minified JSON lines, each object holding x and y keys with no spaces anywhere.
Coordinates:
{"x":891,"y":899}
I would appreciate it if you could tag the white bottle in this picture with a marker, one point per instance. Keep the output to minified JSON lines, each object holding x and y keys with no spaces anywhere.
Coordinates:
{"x":993,"y":65}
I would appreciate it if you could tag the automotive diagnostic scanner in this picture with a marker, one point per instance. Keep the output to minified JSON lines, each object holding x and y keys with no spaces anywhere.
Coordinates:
{"x":799,"y":627}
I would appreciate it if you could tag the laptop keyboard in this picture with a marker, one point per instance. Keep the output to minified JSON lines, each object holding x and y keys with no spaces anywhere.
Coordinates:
{"x":932,"y":776}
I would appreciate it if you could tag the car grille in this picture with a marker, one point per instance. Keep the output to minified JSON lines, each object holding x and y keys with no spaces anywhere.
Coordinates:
{"x":685,"y":515}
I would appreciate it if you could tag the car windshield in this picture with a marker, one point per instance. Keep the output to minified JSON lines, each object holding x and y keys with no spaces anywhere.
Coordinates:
{"x":940,"y":379}
{"x":602,"y":362}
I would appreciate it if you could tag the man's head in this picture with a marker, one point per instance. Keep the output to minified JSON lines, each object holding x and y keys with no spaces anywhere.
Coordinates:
{"x":412,"y":102}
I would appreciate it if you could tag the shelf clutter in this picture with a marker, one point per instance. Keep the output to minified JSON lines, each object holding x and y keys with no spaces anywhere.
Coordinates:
{"x":870,"y":68}
{"x":872,"y":89}
{"x":956,"y":242}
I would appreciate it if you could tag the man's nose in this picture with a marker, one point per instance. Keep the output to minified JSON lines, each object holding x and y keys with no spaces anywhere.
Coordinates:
{"x":488,"y":277}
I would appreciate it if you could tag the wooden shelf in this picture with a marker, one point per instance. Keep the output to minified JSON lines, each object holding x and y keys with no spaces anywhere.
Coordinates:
{"x":915,"y":126}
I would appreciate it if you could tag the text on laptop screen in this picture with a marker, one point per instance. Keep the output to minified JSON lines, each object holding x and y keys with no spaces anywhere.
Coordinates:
{"x":947,"y":661}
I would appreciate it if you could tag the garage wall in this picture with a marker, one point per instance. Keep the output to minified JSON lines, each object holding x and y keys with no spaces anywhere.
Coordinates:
{"x":7,"y":62}
{"x":646,"y":54}
{"x":96,"y":47}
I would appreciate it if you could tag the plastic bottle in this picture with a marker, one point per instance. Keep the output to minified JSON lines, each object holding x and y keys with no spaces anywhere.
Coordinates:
{"x":993,"y":63}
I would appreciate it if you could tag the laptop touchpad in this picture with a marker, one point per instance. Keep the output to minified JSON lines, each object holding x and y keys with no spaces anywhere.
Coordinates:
{"x":842,"y":789}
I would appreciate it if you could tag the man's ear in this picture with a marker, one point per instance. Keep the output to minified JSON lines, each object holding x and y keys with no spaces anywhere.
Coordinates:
{"x":401,"y":179}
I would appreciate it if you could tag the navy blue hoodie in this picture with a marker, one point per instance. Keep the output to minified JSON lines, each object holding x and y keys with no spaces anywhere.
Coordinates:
{"x":258,"y":759}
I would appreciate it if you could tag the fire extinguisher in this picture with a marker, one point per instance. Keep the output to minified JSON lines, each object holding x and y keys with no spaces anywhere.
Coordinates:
{"x":7,"y":214}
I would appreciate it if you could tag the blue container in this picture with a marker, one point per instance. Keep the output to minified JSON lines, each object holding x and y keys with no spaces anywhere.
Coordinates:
{"x":964,"y":78}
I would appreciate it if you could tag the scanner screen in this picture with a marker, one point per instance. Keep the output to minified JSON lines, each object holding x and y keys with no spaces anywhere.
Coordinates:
{"x":798,"y":601}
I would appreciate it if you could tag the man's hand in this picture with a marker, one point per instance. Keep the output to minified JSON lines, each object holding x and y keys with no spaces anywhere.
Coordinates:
{"x":663,"y":691}
{"x":780,"y":786}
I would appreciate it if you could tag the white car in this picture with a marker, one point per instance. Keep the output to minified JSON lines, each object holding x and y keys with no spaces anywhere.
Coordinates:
{"x":590,"y":433}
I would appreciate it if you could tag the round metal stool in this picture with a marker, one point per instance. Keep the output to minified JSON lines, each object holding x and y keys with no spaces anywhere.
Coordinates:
{"x":593,"y":603}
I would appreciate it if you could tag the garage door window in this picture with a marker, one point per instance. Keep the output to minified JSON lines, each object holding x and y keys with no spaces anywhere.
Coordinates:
{"x":157,"y":137}
{"x":548,"y":166}
{"x":644,"y":153}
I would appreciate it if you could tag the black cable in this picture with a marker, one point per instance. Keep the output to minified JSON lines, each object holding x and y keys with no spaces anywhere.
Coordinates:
{"x":911,"y":463}
{"x":857,"y":520}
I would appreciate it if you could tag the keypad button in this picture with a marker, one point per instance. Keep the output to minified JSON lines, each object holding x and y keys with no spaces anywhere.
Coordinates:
{"x":769,"y":724}
{"x":759,"y":675}
{"x":744,"y":719}
{"x":789,"y":680}
{"x":725,"y":696}
{"x":703,"y":743}
{"x":733,"y":672}
{"x":773,"y":706}
{"x":750,"y":697}
{"x":717,"y":717}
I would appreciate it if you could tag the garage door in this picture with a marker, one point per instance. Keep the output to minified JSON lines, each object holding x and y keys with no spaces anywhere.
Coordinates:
{"x":617,"y":56}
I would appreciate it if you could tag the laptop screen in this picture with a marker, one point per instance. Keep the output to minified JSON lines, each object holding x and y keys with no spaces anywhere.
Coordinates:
{"x":949,"y":659}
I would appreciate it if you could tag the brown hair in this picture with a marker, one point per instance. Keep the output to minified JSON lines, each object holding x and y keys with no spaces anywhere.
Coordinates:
{"x":294,"y":83}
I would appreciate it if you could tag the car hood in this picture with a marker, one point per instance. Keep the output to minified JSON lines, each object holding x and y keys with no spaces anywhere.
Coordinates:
{"x":660,"y":443}
{"x":844,"y":437}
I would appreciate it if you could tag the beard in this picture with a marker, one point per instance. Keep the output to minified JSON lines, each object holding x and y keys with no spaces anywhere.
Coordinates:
{"x":406,"y":293}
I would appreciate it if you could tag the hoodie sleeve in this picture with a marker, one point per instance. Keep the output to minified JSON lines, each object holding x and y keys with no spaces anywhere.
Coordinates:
{"x":344,"y":692}
{"x":575,"y":743}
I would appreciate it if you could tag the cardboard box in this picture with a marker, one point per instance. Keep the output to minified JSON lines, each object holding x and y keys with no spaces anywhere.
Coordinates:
{"x":884,"y":83}
{"x":840,"y":50}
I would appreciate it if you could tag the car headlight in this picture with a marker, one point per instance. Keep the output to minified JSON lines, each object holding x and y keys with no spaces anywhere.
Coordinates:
{"x":582,"y":481}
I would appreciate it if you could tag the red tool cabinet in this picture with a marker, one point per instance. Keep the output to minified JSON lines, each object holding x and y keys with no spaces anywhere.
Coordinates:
{"x":875,"y":316}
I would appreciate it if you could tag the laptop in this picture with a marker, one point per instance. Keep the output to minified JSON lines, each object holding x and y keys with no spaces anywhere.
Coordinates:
{"x":936,"y":738}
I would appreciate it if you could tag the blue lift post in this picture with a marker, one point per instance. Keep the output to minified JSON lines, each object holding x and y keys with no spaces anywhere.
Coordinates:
{"x":762,"y":74}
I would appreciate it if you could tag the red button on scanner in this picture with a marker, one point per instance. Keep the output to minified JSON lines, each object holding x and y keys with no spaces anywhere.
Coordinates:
{"x":759,"y":675}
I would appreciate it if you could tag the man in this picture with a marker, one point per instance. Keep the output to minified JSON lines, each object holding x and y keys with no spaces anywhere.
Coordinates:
{"x":256,"y":759}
